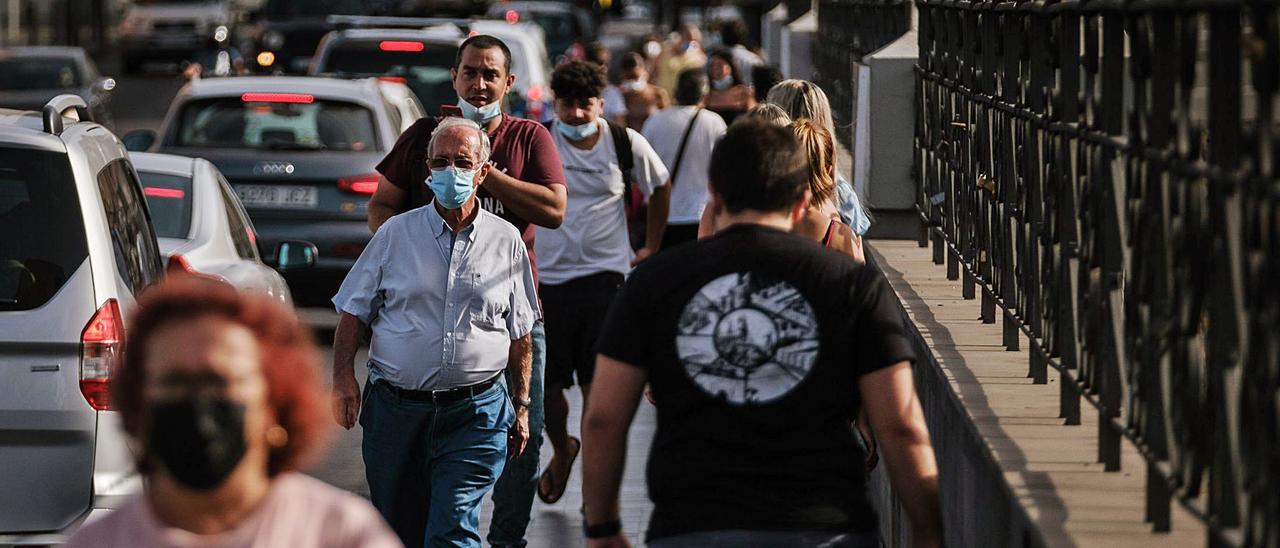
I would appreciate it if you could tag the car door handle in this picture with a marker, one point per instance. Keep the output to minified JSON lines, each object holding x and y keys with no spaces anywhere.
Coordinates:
{"x":45,"y":368}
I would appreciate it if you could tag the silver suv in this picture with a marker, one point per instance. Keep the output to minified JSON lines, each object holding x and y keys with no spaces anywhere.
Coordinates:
{"x":76,"y":246}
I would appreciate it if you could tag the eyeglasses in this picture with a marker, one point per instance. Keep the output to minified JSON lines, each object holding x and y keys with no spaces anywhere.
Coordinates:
{"x":440,"y":162}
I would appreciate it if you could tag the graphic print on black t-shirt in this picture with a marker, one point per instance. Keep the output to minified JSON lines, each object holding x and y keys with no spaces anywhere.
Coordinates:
{"x":747,"y":338}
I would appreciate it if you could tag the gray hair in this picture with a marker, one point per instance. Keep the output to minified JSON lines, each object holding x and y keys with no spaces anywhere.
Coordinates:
{"x":454,"y":121}
{"x":765,"y":112}
{"x":803,"y":99}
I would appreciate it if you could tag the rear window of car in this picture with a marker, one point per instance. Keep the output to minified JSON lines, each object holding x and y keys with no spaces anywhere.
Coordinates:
{"x":425,"y":70}
{"x":29,"y":73}
{"x":289,"y":9}
{"x":276,"y":121}
{"x":42,"y":240}
{"x":169,"y":199}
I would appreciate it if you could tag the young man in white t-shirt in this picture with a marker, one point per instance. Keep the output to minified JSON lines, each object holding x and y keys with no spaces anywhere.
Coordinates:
{"x":697,"y":130}
{"x":582,"y":263}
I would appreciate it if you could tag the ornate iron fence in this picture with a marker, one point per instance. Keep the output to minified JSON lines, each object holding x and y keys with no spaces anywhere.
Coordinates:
{"x":1106,"y":173}
{"x":847,"y":31}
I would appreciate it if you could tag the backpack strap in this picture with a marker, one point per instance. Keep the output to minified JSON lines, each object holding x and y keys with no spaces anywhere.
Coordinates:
{"x":626,"y":161}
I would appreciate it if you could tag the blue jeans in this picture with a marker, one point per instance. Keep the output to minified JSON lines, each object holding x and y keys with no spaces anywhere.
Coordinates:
{"x":739,"y":538}
{"x":513,"y":496}
{"x":429,"y":465}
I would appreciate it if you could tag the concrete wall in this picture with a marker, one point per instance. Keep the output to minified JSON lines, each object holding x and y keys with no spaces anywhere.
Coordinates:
{"x":883,"y":132}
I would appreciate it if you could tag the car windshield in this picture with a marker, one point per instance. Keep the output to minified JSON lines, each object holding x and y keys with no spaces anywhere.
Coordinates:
{"x":169,"y":199}
{"x":425,"y":71}
{"x":288,"y":9}
{"x":30,"y":73}
{"x":560,"y":28}
{"x":276,"y":121}
{"x":44,"y":241}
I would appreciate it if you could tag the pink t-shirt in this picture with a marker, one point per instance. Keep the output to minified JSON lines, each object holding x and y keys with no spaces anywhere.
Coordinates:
{"x":299,"y":511}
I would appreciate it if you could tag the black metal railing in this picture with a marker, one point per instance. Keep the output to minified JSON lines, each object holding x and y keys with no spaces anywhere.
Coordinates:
{"x":1106,"y":173}
{"x":847,"y":31}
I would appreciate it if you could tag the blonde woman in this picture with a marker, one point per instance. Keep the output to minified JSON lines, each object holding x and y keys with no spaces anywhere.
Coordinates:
{"x":818,"y":223}
{"x":804,"y":99}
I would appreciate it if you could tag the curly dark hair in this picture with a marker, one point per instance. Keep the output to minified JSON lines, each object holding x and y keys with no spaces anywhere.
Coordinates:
{"x":577,"y":81}
{"x":290,"y":362}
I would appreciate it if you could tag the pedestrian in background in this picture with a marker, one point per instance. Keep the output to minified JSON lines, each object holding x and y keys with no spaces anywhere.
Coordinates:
{"x":804,"y":99}
{"x":642,"y":97}
{"x":760,"y":346}
{"x":448,"y":292}
{"x":818,"y":223}
{"x":734,"y":36}
{"x":730,"y":96}
{"x":584,"y":261}
{"x":683,"y":52}
{"x":683,"y":136}
{"x":615,"y":106}
{"x":221,"y":399}
{"x":763,"y":78}
{"x":525,"y":187}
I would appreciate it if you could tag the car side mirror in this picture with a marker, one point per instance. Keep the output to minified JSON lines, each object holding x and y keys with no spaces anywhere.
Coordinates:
{"x":106,"y":84}
{"x":139,"y":140}
{"x":295,"y":255}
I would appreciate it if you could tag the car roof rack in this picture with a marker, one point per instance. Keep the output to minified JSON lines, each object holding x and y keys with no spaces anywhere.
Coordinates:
{"x":375,"y":21}
{"x":53,"y":110}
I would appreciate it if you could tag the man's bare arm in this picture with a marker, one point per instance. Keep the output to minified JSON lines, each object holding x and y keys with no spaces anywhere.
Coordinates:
{"x":386,"y":201}
{"x":894,"y":411}
{"x":615,"y":393}
{"x":346,"y":390}
{"x":520,"y":368}
{"x":542,"y":205}
{"x":659,"y":207}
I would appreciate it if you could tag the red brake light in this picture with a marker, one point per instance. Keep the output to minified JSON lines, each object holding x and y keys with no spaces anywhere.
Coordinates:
{"x":161,"y":192}
{"x":359,"y":184}
{"x":393,"y":79}
{"x":101,"y":343}
{"x":512,"y":17}
{"x":535,"y":93}
{"x":277,"y":98}
{"x":400,"y":45}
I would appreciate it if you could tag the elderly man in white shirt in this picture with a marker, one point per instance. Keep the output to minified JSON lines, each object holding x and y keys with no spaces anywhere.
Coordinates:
{"x":448,"y":292}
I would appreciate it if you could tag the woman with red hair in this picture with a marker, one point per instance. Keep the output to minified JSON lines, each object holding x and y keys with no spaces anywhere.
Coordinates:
{"x":221,"y":399}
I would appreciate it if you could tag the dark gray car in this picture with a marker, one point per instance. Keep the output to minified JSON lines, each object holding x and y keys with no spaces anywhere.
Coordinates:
{"x":31,"y":76}
{"x":300,"y":153}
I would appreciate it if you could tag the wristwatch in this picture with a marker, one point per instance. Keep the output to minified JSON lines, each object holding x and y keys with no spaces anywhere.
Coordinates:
{"x":602,"y":530}
{"x":520,"y":402}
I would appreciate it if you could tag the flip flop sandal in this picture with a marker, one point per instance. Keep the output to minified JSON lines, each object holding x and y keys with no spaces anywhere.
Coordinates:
{"x":559,"y":484}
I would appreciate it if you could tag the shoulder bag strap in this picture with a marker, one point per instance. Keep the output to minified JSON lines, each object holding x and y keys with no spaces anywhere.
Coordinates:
{"x":684,"y":142}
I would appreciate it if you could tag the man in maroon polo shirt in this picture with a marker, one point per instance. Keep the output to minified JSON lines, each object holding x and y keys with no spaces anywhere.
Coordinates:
{"x":526,"y":187}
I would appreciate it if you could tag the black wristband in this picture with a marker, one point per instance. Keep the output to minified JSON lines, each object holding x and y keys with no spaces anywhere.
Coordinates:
{"x":602,"y":530}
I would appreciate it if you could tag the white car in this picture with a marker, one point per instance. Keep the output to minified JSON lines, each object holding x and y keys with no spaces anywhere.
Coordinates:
{"x":529,"y":63}
{"x":201,"y":226}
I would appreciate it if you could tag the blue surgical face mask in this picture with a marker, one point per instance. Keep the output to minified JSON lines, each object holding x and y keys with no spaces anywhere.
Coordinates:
{"x":452,"y":186}
{"x":577,"y":133}
{"x":482,"y":114}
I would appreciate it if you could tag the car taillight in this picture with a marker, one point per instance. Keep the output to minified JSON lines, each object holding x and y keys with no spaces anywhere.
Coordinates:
{"x":400,"y":45}
{"x":277,"y":98}
{"x":100,"y":354}
{"x":179,"y":265}
{"x":393,"y":79}
{"x":535,"y":93}
{"x":359,"y":184}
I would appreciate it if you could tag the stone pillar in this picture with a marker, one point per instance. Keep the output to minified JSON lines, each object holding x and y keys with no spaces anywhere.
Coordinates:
{"x":796,"y":59}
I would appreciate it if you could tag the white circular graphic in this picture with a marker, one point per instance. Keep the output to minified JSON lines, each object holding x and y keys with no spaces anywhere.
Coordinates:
{"x":747,"y":339}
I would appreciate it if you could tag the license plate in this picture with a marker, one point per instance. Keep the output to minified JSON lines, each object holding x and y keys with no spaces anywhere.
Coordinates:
{"x":279,"y":196}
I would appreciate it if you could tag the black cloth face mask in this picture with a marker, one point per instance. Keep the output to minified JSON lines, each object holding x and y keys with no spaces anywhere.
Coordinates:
{"x":199,"y":440}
